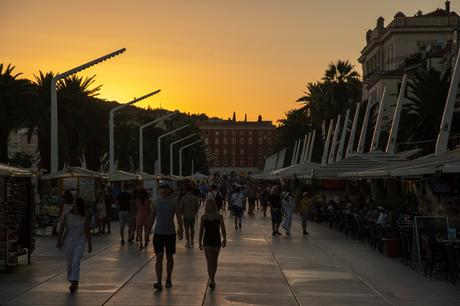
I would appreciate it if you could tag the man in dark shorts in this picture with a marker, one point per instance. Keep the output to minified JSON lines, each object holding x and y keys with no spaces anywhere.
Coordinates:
{"x":189,"y":205}
{"x":125,"y":216}
{"x":164,"y":232}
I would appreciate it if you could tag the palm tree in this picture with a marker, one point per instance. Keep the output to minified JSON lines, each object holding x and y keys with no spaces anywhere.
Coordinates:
{"x":15,"y":95}
{"x":421,"y":115}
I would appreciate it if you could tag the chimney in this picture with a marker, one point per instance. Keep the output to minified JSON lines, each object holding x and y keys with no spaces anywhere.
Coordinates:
{"x":447,"y":7}
{"x":380,"y":23}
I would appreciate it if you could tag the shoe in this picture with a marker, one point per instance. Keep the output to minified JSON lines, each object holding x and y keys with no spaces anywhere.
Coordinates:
{"x":141,"y":247}
{"x":122,"y":242}
{"x":278,"y":233}
{"x":288,"y":234}
{"x":212,"y":285}
{"x":274,"y":233}
{"x":236,"y":227}
{"x":240,"y":225}
{"x":168,"y":283}
{"x":130,"y":241}
{"x":73,"y":287}
{"x":158,"y":286}
{"x":187,"y":245}
{"x":305,"y":233}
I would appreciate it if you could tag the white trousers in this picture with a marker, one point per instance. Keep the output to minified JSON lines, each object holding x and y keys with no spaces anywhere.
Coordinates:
{"x":73,"y":249}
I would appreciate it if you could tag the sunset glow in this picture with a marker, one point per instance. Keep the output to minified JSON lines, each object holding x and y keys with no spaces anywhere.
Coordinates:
{"x":212,"y":57}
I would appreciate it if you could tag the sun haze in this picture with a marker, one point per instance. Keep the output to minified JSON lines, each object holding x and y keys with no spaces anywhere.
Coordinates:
{"x":207,"y":56}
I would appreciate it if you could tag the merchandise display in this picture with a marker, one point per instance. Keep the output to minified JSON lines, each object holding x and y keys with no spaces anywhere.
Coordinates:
{"x":15,"y":220}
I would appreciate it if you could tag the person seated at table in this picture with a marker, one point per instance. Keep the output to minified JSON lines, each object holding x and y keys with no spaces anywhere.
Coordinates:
{"x":383,"y":217}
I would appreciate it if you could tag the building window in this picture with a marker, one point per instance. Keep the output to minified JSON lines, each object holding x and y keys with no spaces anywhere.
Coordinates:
{"x":216,"y":141}
{"x":233,"y":132}
{"x":250,"y":132}
{"x":206,"y":140}
{"x":216,"y":150}
{"x":224,"y":132}
{"x":225,"y":140}
{"x":241,"y":151}
{"x":216,"y":133}
{"x":250,"y":140}
{"x":225,"y":151}
{"x":233,"y":140}
{"x":260,"y":141}
{"x":241,"y":140}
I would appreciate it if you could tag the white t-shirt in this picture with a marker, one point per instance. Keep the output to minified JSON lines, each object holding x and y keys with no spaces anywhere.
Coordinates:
{"x":237,"y":199}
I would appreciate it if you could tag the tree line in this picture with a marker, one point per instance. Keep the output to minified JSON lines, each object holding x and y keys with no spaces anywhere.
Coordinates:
{"x":83,"y":123}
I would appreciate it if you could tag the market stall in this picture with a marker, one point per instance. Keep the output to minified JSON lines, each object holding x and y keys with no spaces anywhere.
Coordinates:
{"x":16,"y":215}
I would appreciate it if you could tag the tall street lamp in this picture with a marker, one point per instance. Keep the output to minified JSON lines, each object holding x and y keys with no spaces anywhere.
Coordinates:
{"x":182,"y":149}
{"x":141,"y":138}
{"x":171,"y":159}
{"x":111,"y":126}
{"x":159,"y":144}
{"x":54,"y":109}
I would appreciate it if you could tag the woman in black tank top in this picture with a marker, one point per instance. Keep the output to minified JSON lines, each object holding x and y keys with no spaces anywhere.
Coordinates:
{"x":212,"y":224}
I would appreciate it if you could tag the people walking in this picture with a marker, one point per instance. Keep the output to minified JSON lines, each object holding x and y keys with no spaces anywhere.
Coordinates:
{"x":73,"y":234}
{"x":237,"y":201}
{"x":303,"y":209}
{"x":189,"y":205}
{"x":142,"y":217}
{"x":263,"y":197}
{"x":101,"y":214}
{"x":125,"y":216}
{"x":210,"y":239}
{"x":215,"y":195}
{"x":108,"y":208}
{"x":288,"y":205}
{"x":252,"y":196}
{"x":164,"y":233}
{"x":274,"y":202}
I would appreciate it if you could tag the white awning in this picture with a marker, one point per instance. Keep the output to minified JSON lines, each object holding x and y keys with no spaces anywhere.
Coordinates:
{"x":7,"y":170}
{"x":120,"y":176}
{"x":72,"y":172}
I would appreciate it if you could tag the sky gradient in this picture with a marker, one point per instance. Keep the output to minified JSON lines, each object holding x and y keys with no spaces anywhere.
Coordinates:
{"x":207,"y":56}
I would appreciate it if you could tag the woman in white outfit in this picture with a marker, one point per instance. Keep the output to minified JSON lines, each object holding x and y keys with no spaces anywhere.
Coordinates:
{"x":288,"y":205}
{"x":73,"y":235}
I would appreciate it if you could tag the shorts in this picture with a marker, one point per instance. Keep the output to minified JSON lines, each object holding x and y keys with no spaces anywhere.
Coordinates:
{"x":125,"y":217}
{"x":277,"y":216}
{"x":237,"y":211}
{"x":162,"y":242}
{"x":189,"y":222}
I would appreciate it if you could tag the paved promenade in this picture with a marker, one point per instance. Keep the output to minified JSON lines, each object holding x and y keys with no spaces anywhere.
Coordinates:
{"x":255,"y":269}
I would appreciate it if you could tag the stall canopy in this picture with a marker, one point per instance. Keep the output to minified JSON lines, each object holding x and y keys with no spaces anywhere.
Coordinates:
{"x":304,"y":170}
{"x":7,"y":170}
{"x":350,"y":167}
{"x":146,"y":176}
{"x":429,"y":164}
{"x":73,"y":172}
{"x":197,"y":176}
{"x":122,"y":176}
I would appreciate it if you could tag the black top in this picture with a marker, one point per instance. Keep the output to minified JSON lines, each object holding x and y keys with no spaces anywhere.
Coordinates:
{"x":212,"y":232}
{"x":123,"y":201}
{"x":275,"y":201}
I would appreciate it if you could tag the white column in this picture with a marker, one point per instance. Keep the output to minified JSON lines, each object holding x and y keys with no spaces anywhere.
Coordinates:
{"x":446,"y":122}
{"x":362,"y":137}
{"x":335,"y":138}
{"x":54,"y":128}
{"x":312,"y":143}
{"x":343,"y":136}
{"x":351,"y":140}
{"x":328,"y":143}
{"x":378,"y":123}
{"x":391,"y":144}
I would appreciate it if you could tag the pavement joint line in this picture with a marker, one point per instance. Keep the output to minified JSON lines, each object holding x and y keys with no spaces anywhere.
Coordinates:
{"x":129,"y":279}
{"x":56,"y":274}
{"x":351,"y":271}
{"x":279,"y":267}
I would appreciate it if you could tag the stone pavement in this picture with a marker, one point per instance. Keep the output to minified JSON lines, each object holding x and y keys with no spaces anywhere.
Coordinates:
{"x":255,"y":269}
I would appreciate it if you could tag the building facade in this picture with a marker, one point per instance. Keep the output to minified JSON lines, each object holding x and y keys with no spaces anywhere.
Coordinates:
{"x":392,"y":50}
{"x":19,"y":142}
{"x":237,"y":146}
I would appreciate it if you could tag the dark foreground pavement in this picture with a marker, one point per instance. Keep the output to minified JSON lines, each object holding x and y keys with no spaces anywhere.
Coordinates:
{"x":255,"y":269}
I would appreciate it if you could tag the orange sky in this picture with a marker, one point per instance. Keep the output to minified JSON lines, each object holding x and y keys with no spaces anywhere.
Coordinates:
{"x":210,"y":56}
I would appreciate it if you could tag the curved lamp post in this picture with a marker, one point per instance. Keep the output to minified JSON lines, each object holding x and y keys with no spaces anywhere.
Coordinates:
{"x":141,"y":138}
{"x":159,"y":144}
{"x":54,"y":109}
{"x":171,"y":159}
{"x":182,"y":149}
{"x":111,"y":126}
